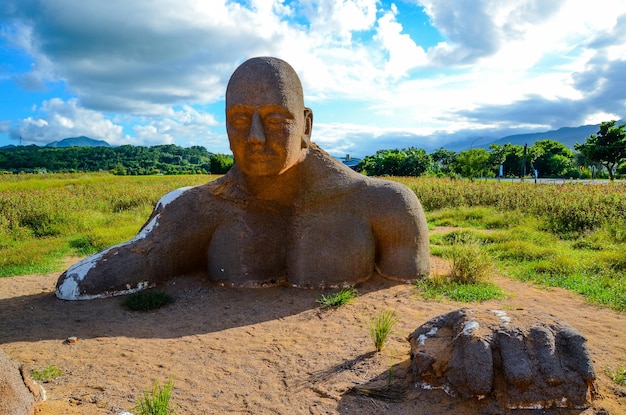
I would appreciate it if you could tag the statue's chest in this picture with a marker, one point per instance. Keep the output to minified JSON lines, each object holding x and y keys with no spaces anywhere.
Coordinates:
{"x":316,"y":247}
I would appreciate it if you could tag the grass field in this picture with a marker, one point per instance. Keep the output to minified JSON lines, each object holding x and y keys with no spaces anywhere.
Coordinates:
{"x":569,"y":235}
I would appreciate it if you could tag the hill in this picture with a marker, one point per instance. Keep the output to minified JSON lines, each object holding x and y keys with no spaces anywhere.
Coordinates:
{"x":81,"y":141}
{"x":568,"y":136}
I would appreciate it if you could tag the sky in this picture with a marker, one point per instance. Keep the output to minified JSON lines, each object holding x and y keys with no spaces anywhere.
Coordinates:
{"x":377,"y":74}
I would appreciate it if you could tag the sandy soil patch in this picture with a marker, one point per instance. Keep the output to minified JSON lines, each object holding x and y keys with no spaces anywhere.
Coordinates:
{"x":266,"y":351}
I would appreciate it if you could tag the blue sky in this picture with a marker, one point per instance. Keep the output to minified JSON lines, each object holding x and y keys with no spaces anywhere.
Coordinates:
{"x":377,"y":74}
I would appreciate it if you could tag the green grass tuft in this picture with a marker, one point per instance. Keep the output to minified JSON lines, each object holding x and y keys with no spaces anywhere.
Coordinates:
{"x":618,"y":375}
{"x":381,"y":326}
{"x":344,"y":296}
{"x":46,"y":374}
{"x":157,"y":402}
{"x":147,"y":300}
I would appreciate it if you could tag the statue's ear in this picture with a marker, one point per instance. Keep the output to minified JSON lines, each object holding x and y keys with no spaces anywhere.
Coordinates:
{"x":308,"y":126}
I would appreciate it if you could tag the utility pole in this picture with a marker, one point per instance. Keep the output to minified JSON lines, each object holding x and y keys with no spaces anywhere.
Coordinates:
{"x":524,"y":162}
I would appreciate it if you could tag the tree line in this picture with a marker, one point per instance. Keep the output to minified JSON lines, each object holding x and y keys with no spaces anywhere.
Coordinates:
{"x":602,"y":155}
{"x":122,"y":160}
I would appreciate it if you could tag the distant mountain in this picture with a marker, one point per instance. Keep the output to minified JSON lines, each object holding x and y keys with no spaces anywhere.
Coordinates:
{"x":81,"y":141}
{"x":568,"y":136}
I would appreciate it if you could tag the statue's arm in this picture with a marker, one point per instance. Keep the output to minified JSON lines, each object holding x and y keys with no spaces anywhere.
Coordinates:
{"x":167,"y":245}
{"x":401,"y":233}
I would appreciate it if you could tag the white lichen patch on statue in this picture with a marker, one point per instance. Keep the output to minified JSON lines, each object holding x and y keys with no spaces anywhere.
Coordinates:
{"x":69,"y":289}
{"x":422,"y":337}
{"x":427,"y":386}
{"x":551,"y":403}
{"x":171,"y":196}
{"x":146,"y":230}
{"x":504,"y":318}
{"x":470,"y":326}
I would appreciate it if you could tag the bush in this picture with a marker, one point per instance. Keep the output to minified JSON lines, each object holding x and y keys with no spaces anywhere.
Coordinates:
{"x":470,"y":265}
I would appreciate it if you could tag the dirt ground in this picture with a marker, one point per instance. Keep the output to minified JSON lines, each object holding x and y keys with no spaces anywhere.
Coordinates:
{"x":265,"y":351}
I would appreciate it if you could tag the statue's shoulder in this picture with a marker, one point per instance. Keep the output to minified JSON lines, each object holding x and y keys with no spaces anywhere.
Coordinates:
{"x":389,"y":196}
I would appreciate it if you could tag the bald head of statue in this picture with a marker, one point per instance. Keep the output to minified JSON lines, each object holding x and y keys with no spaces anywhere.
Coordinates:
{"x":268,"y":126}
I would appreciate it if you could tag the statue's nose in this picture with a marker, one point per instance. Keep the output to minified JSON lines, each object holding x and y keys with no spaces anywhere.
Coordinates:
{"x":256,"y":133}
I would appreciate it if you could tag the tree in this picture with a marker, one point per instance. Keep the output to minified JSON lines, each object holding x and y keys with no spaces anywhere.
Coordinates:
{"x":551,"y":158}
{"x":443,"y":160}
{"x":472,"y":163}
{"x":509,"y":155}
{"x":406,"y":162}
{"x":607,"y":147}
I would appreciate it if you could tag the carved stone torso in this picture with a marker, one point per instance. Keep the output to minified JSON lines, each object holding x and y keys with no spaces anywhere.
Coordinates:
{"x":320,"y":245}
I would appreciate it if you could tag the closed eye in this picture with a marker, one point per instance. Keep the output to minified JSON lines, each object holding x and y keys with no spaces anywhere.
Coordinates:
{"x":239,"y":120}
{"x":276,"y":120}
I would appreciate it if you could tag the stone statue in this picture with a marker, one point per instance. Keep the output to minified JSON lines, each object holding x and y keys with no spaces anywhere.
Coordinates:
{"x":286,"y":213}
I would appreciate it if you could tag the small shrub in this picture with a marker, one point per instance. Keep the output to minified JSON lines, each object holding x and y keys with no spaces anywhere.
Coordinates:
{"x":157,"y":402}
{"x":147,"y":300}
{"x":46,"y":374}
{"x":344,"y":296}
{"x":470,"y":265}
{"x":380,"y":327}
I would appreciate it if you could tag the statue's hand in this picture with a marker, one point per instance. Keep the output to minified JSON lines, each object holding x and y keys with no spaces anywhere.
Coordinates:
{"x":521,"y":359}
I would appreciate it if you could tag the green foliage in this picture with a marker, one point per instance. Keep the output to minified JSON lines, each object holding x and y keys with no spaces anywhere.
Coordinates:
{"x":472,"y":268}
{"x":443,"y":161}
{"x":147,"y":300}
{"x":381,"y":326}
{"x":607,"y":147}
{"x":46,"y":374}
{"x":122,"y":160}
{"x":405,"y":162}
{"x":551,"y":158}
{"x":618,"y":375}
{"x":157,"y":402}
{"x":472,"y":163}
{"x":587,"y":257}
{"x":565,"y":210}
{"x":344,"y":296}
{"x":470,"y":264}
{"x":441,"y":287}
{"x":44,"y":218}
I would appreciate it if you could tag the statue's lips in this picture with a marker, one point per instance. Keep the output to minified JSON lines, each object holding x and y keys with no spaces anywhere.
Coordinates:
{"x":261,"y":157}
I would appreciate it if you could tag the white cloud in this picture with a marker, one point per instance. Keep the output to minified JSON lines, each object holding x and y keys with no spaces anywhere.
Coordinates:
{"x":187,"y":125}
{"x":335,"y":20}
{"x":150,"y":64}
{"x":404,"y":54}
{"x":62,"y":119}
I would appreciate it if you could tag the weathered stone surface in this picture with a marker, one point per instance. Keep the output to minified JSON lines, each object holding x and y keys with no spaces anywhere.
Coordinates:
{"x":286,"y":213}
{"x":517,"y":359}
{"x":18,"y":393}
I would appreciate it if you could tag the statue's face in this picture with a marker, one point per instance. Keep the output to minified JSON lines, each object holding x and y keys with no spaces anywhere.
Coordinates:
{"x":267,"y":126}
